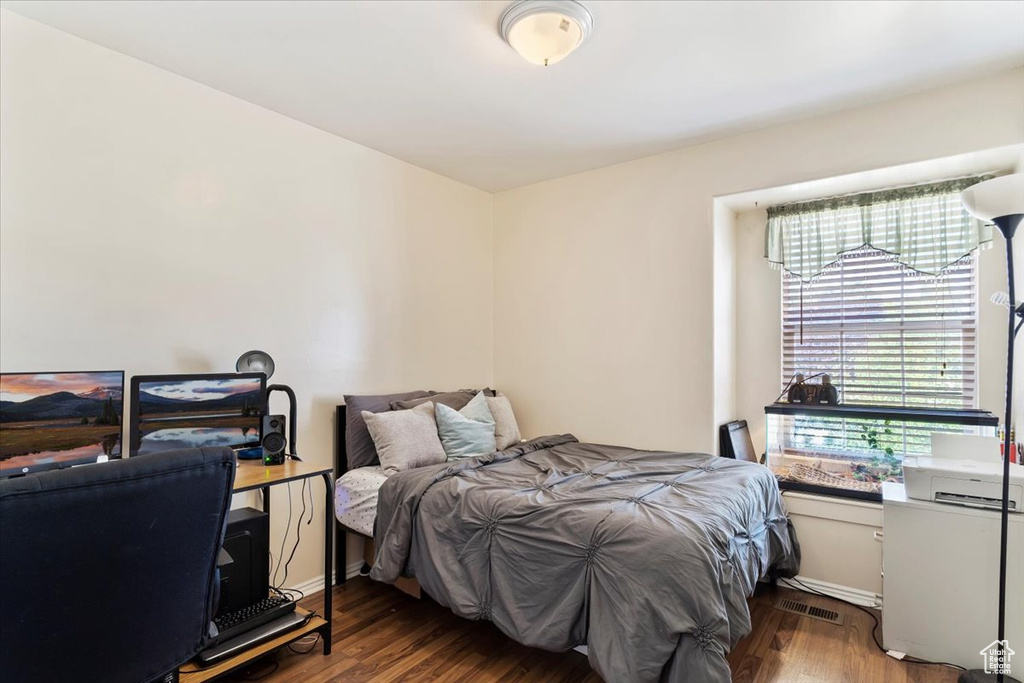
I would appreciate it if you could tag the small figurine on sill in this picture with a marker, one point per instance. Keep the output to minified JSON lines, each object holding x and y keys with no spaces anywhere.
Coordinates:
{"x":806,"y":393}
{"x":797,"y":393}
{"x":828,"y":394}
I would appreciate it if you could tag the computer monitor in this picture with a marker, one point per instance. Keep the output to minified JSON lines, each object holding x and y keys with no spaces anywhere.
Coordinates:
{"x":59,"y":419}
{"x":191,"y":411}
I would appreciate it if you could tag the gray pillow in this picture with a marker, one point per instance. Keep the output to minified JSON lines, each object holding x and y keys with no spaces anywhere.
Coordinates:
{"x":456,"y":400}
{"x":468,"y":432}
{"x":506,"y":429}
{"x":359,"y":450}
{"x":405,"y":438}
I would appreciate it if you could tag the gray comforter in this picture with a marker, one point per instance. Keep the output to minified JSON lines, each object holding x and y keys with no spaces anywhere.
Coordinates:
{"x":646,"y":557}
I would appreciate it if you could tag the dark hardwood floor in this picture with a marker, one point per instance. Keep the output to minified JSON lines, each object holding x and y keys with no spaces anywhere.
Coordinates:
{"x":381,"y":634}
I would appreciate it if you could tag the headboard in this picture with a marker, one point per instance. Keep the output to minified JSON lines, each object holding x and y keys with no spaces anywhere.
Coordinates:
{"x":340,"y":467}
{"x":340,"y":456}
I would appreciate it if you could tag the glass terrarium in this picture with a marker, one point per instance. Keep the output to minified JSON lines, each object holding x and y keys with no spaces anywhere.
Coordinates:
{"x":851,"y":451}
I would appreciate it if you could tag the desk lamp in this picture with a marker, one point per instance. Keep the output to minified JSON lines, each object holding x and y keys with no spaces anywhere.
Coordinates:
{"x":260,"y":361}
{"x":1001,"y":201}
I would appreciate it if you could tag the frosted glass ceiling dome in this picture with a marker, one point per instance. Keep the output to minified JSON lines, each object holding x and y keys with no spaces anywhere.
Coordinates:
{"x":544,"y":32}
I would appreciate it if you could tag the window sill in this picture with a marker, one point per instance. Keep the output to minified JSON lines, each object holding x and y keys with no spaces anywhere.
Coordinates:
{"x":831,"y":492}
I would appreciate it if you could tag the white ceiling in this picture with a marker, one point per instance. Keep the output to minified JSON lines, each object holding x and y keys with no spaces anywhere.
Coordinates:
{"x":432,"y":83}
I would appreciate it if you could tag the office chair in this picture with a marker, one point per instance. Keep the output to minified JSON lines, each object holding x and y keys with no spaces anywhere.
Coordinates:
{"x":107,"y":571}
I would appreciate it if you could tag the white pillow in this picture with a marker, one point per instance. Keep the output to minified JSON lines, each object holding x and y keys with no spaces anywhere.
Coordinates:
{"x":506,"y":429}
{"x":405,"y":439}
{"x":468,"y":432}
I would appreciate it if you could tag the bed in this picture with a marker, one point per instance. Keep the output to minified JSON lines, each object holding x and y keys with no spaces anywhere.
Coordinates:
{"x":645,"y":557}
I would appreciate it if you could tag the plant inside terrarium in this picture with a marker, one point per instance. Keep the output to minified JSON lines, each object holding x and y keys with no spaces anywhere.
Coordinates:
{"x":885,"y":465}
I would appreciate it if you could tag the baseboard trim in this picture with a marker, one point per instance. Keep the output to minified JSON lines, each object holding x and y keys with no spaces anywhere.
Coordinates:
{"x":855,"y":595}
{"x":316,"y":584}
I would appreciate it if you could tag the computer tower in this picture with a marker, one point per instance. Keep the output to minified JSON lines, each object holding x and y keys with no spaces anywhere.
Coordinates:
{"x":246,"y":578}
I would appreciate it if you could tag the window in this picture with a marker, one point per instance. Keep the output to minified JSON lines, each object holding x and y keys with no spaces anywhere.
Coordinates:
{"x":888,"y":337}
{"x":887,"y":334}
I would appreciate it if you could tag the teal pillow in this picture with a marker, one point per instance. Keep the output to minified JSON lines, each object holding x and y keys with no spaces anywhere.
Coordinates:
{"x":468,"y":432}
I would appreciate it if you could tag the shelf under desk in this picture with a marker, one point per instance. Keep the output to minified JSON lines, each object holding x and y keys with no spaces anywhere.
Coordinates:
{"x":252,"y":475}
{"x":192,"y":673}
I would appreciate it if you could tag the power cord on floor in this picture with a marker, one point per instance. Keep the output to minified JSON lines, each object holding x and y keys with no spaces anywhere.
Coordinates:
{"x":874,"y":629}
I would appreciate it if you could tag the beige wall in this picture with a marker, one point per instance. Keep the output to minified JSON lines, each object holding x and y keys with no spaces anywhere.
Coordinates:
{"x":156,"y":225}
{"x":153,"y":224}
{"x":759,"y":325}
{"x":604,"y":281}
{"x":725,"y":345}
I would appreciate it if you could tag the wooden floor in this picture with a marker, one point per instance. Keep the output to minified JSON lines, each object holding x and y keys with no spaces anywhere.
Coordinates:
{"x":383,"y":635}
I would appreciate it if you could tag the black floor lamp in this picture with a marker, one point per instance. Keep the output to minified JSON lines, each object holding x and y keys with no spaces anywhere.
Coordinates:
{"x":1001,"y":201}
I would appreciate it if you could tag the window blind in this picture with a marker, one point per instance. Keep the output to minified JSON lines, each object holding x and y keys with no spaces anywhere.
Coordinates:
{"x":887,"y":336}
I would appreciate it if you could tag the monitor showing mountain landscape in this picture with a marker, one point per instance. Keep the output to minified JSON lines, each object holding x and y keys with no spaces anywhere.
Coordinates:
{"x":189,"y":411}
{"x":58,"y":419}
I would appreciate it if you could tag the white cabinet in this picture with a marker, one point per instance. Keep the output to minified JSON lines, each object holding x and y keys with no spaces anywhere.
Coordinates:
{"x":941,"y":579}
{"x":838,"y":543}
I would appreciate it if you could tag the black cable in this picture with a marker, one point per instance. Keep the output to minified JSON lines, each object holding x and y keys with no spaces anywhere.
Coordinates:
{"x":312,"y":505}
{"x":288,"y":593}
{"x":309,"y":617}
{"x":279,"y":587}
{"x":874,"y":629}
{"x":316,"y":639}
{"x":287,"y":526}
{"x":298,"y":529}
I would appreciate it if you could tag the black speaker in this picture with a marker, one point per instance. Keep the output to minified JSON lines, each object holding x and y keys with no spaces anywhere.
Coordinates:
{"x":274,"y":442}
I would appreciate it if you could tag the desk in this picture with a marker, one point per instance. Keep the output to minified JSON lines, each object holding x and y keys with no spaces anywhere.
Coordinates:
{"x":251,"y":475}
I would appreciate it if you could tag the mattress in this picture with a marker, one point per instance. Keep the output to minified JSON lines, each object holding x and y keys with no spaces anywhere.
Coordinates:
{"x":355,"y":498}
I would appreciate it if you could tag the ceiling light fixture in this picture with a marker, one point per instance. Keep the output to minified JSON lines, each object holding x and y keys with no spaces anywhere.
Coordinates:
{"x":545,"y":31}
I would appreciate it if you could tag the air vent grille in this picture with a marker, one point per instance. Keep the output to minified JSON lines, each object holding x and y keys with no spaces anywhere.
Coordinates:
{"x":797,"y":607}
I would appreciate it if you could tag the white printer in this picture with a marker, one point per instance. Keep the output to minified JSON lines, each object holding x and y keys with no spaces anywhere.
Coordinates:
{"x":963,"y":470}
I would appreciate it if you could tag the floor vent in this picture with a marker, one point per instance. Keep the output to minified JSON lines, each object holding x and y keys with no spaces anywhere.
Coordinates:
{"x":797,"y":607}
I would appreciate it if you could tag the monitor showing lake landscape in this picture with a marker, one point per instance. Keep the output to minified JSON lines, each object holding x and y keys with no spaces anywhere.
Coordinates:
{"x":191,"y":411}
{"x":58,"y":419}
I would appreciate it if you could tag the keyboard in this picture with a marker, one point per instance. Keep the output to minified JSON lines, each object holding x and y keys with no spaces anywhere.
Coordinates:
{"x":238,"y":622}
{"x":252,"y":637}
